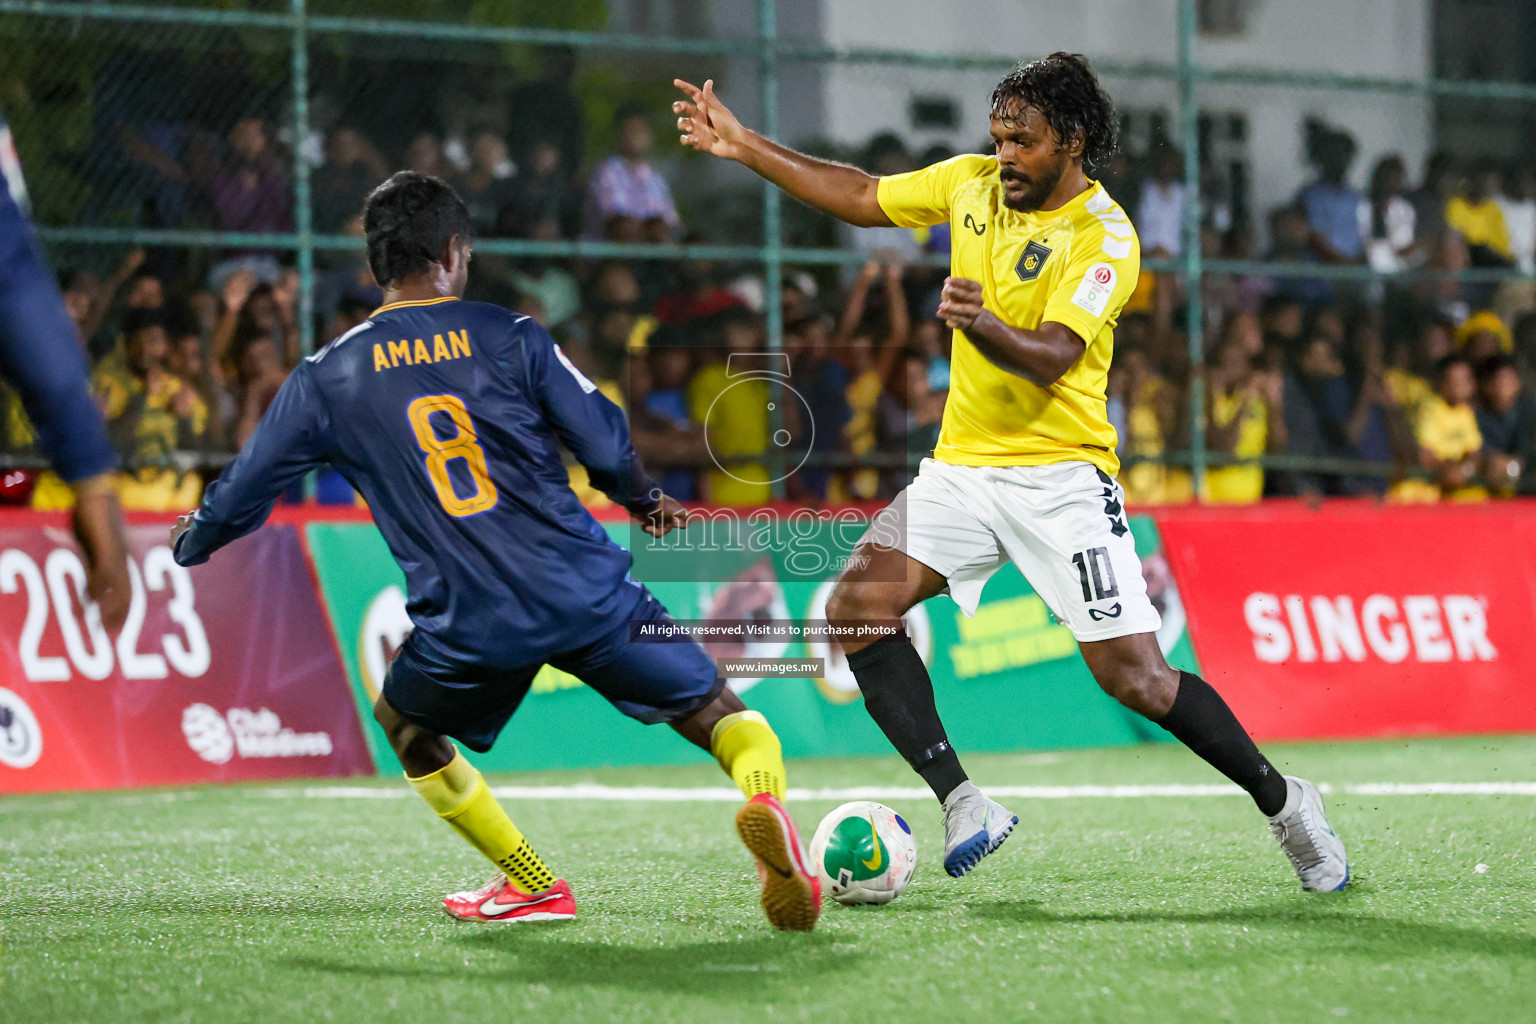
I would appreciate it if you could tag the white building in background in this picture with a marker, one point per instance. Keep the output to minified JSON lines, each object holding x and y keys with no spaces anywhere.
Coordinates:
{"x":848,"y":103}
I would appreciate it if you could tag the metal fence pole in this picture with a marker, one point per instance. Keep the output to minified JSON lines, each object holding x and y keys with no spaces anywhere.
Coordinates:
{"x":764,"y":47}
{"x":773,"y":256}
{"x":303,"y":224}
{"x":1189,"y":116}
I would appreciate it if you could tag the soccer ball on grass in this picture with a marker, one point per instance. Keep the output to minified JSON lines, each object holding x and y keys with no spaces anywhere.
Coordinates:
{"x":864,"y":853}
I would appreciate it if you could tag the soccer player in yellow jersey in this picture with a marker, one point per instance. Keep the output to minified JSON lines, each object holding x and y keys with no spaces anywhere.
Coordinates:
{"x":1043,"y":261}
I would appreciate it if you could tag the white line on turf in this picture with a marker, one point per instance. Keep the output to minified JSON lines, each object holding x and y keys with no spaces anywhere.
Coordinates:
{"x":723,"y":794}
{"x":1443,"y":789}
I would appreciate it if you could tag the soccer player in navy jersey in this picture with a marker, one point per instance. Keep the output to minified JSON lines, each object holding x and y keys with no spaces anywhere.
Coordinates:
{"x":447,"y":417}
{"x":41,"y":356}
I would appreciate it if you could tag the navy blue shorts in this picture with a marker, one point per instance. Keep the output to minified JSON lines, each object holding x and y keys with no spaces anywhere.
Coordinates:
{"x":649,"y":682}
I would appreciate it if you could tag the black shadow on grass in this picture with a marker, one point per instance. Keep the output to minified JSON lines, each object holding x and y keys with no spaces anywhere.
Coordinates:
{"x":1337,"y":928}
{"x":720,"y":968}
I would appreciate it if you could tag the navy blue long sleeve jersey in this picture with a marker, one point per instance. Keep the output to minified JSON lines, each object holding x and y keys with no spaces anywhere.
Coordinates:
{"x":445,"y":415}
{"x":40,"y":352}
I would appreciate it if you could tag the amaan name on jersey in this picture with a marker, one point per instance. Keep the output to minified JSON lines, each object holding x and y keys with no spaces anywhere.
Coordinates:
{"x":387,"y":355}
{"x":1031,"y":261}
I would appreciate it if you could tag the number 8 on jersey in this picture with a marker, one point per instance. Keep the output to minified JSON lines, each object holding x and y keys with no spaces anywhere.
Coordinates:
{"x":440,"y":451}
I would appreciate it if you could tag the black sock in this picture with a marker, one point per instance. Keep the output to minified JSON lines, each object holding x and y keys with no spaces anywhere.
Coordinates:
{"x":1201,"y":720}
{"x":899,"y":696}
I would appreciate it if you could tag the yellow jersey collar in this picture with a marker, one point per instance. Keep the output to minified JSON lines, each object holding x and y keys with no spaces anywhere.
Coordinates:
{"x":413,"y":302}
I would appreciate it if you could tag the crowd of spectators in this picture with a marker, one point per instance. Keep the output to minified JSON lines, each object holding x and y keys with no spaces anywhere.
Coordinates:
{"x":1414,"y":387}
{"x":1411,"y":388}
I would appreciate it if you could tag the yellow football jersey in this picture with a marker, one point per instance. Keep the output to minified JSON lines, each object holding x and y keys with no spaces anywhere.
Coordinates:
{"x":1076,"y":266}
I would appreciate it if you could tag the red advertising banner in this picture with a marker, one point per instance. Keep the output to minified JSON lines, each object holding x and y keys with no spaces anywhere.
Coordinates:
{"x":1358,"y":620}
{"x":226,"y":671}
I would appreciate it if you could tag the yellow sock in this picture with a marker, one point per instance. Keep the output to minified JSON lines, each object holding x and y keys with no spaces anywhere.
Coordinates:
{"x":458,"y":793}
{"x":748,"y":750}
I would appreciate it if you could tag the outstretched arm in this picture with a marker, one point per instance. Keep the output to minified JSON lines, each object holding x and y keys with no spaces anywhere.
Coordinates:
{"x":293,"y":438}
{"x":898,"y":319}
{"x":237,"y":289}
{"x":853,"y":309}
{"x":102,"y":300}
{"x":845,"y":192}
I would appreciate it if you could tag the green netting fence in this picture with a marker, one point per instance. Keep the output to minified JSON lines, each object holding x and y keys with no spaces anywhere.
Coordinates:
{"x":117,"y":108}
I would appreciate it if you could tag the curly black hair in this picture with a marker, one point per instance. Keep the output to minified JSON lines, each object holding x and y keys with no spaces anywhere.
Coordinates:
{"x":408,"y":220}
{"x":140,"y":319}
{"x":1066,"y":92}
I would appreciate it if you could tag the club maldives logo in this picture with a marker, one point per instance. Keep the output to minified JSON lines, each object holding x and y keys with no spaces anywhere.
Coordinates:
{"x":21,"y":741}
{"x":241,"y":732}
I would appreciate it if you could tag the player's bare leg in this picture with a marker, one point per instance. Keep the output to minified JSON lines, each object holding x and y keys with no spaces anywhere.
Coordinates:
{"x":698,"y":728}
{"x":523,"y":889}
{"x":746,"y":747}
{"x":1132,"y":670}
{"x":879,"y":586}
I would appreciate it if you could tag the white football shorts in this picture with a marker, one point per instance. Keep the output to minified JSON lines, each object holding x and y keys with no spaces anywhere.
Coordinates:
{"x":1063,"y":525}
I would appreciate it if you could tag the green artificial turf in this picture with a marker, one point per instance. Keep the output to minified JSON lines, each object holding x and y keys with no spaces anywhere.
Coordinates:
{"x":256,"y":903}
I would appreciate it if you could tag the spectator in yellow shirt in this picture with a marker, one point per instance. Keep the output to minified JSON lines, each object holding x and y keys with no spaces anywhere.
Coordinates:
{"x":1151,"y":419}
{"x":1245,"y":421}
{"x":1477,"y":218}
{"x":733,"y":399}
{"x":870,"y":369}
{"x":1450,"y":444}
{"x":151,"y":414}
{"x":1408,"y":378}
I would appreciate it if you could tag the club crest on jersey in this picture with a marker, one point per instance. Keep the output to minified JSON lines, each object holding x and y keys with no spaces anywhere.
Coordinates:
{"x":1031,"y":261}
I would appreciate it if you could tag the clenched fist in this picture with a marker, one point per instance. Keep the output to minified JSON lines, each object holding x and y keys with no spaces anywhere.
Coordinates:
{"x":961,"y":302}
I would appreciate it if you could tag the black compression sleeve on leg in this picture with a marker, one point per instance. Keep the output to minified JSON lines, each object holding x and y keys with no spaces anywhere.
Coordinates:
{"x":1201,"y":720}
{"x":899,"y":697}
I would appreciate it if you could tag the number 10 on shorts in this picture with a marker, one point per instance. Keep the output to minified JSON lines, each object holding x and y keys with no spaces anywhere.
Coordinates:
{"x":1096,"y":574}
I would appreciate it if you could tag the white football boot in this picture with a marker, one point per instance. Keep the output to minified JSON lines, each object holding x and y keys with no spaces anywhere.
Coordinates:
{"x":974,"y":826}
{"x":1315,"y":850}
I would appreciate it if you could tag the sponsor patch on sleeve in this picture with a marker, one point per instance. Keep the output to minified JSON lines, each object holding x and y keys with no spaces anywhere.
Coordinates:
{"x":10,"y":169}
{"x":581,"y":378}
{"x":1097,"y":286}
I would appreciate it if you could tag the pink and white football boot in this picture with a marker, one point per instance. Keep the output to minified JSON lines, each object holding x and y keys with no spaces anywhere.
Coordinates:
{"x":500,"y":900}
{"x":791,"y":890}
